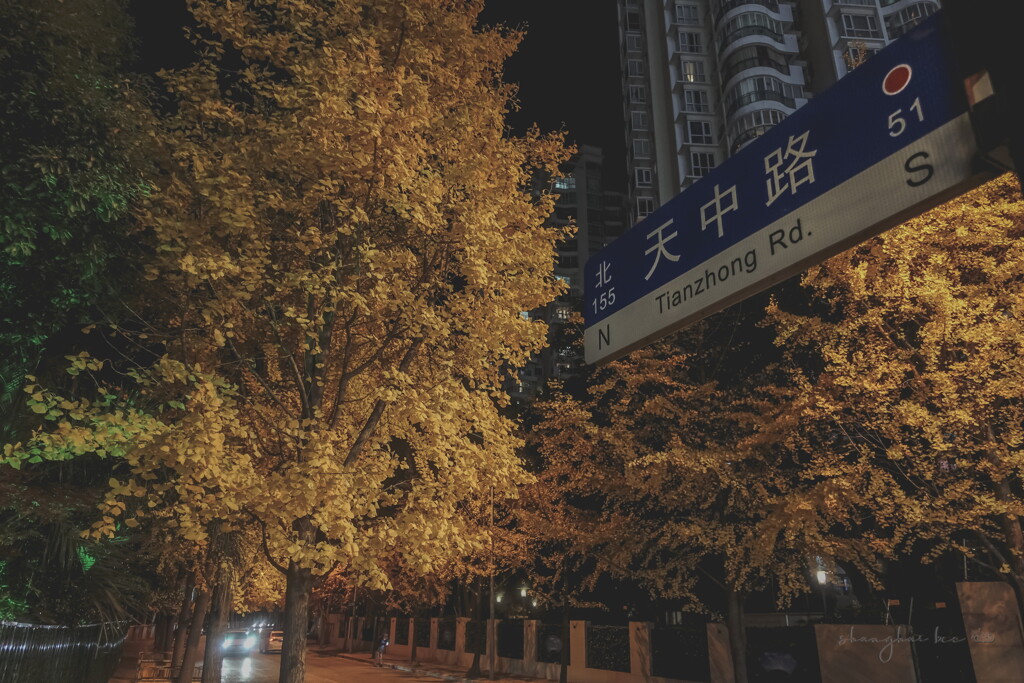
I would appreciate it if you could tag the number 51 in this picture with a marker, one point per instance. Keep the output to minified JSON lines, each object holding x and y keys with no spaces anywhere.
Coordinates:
{"x":897,"y":124}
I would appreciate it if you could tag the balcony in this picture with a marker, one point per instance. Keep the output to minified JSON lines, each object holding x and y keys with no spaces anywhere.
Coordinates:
{"x":752,"y":57}
{"x":744,"y":31}
{"x":727,"y":5}
{"x":737,"y":102}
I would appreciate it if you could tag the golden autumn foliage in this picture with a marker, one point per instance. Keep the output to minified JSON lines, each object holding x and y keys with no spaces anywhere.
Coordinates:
{"x":910,"y":373}
{"x":887,"y":425}
{"x":669,"y":472}
{"x":344,"y":235}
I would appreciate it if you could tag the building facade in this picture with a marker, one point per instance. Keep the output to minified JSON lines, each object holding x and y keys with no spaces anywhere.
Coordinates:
{"x":702,"y":78}
{"x":600,"y":216}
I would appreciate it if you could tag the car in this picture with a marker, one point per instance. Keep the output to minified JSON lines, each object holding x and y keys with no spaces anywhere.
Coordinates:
{"x":238,"y":642}
{"x":274,"y":642}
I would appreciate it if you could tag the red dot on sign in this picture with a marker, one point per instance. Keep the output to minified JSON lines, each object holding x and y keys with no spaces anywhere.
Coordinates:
{"x":897,"y":79}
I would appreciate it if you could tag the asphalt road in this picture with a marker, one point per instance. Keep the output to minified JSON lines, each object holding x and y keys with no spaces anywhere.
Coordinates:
{"x":260,"y":668}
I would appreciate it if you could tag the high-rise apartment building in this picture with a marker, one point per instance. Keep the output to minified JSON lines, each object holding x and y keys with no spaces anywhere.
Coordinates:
{"x":702,"y":78}
{"x":600,"y":216}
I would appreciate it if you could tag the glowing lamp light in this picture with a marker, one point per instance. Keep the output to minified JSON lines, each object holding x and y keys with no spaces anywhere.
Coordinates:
{"x":822,"y":576}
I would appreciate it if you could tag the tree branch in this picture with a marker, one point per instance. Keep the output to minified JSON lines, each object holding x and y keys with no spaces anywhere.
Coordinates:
{"x":378,"y":409}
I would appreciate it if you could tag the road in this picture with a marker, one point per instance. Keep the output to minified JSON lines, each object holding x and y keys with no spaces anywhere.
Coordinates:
{"x":260,"y":668}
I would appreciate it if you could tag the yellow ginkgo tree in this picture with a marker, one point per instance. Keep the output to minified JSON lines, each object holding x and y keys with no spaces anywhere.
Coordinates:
{"x":347,"y":228}
{"x":670,"y":470}
{"x":910,"y":368}
{"x":344,"y":236}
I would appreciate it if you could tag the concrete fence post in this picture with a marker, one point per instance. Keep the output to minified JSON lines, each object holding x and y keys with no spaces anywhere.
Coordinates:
{"x":640,"y":651}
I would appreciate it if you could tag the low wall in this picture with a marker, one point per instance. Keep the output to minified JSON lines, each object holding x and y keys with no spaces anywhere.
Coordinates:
{"x":845,"y":653}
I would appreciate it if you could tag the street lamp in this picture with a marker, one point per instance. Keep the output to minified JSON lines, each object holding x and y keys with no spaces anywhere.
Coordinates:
{"x":822,"y":580}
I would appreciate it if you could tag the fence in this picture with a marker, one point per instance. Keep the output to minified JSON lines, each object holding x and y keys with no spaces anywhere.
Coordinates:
{"x":402,"y":631}
{"x":511,"y":638}
{"x":681,"y":651}
{"x":70,"y":654}
{"x":550,"y":642}
{"x":608,"y":648}
{"x":476,"y":637}
{"x":446,"y":634}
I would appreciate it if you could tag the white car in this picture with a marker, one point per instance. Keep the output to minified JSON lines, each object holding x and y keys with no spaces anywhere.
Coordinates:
{"x":273,"y":643}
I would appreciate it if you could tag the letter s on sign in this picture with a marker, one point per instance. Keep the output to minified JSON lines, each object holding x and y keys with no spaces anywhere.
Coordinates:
{"x":927,"y":169}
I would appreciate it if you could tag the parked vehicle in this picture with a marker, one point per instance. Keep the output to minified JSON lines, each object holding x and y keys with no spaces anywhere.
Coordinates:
{"x":273,"y":643}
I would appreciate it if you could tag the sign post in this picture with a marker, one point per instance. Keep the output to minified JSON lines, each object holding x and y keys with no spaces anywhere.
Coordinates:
{"x":888,"y":141}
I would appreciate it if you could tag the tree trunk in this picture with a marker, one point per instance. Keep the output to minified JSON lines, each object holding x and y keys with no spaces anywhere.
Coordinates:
{"x":195,"y":630}
{"x":412,"y":646}
{"x":296,"y":619}
{"x":183,"y":621}
{"x":350,"y":633}
{"x":563,"y":666}
{"x":1014,"y":537}
{"x":1012,"y":533}
{"x":213,"y":656}
{"x":162,"y":632}
{"x":737,"y":634}
{"x":478,"y":610}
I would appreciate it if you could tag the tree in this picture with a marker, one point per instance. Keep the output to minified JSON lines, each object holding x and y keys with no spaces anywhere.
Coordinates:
{"x":345,"y":237}
{"x":69,"y":172}
{"x":670,"y":472}
{"x":910,"y":368}
{"x":68,"y":175}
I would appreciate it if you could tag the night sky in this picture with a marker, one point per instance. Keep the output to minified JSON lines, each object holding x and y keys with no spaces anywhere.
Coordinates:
{"x":567,"y":67}
{"x":568,"y":72}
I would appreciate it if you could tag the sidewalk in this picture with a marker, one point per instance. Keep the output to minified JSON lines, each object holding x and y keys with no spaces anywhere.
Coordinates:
{"x":430,"y":669}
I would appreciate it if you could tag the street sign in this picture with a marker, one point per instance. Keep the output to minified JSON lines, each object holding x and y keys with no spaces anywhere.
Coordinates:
{"x":890,"y":140}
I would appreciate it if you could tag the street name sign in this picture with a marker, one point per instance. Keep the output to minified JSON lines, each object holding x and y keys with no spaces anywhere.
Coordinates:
{"x":890,"y":140}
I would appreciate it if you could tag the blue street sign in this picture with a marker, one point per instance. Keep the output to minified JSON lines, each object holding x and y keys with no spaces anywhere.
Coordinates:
{"x":886,"y":142}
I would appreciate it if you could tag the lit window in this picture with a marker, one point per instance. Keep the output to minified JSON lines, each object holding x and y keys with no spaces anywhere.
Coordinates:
{"x":693,"y":72}
{"x":568,"y":183}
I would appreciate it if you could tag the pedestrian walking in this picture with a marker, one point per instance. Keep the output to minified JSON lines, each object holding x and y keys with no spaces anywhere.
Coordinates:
{"x":378,"y":653}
